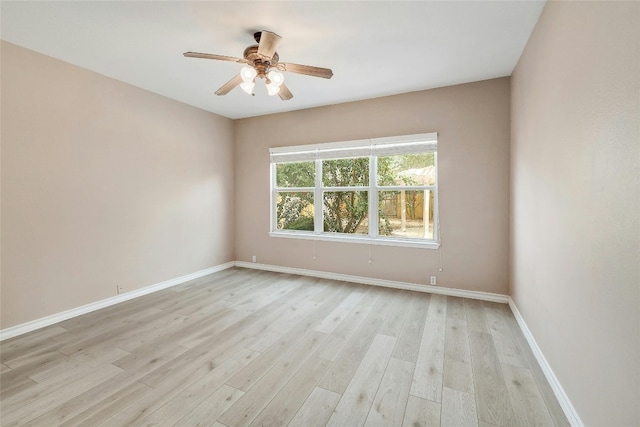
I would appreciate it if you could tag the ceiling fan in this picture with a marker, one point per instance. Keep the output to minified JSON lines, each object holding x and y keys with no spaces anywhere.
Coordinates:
{"x":263,"y":62}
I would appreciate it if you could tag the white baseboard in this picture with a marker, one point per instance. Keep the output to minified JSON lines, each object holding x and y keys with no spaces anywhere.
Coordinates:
{"x":569,"y":411}
{"x":485,"y":296}
{"x":59,"y":317}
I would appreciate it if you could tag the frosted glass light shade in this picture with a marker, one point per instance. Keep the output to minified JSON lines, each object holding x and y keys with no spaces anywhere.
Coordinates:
{"x":248,"y":87}
{"x":248,"y":74}
{"x":272,"y":89}
{"x":276,"y":77}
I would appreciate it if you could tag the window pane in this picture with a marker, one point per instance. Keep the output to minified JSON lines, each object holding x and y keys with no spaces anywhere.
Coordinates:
{"x":402,"y":214}
{"x":295,"y":211}
{"x":407,"y":169}
{"x":301,"y":174}
{"x":345,"y":172}
{"x":346,"y":212}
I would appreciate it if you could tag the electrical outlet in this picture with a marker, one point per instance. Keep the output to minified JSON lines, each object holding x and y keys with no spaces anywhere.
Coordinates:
{"x":433,"y":280}
{"x":119,"y":289}
{"x":254,"y":259}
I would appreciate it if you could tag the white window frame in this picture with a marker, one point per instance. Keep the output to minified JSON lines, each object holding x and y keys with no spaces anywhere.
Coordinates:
{"x":371,"y":148}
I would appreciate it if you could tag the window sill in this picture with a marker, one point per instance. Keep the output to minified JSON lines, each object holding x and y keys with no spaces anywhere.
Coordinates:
{"x":407,"y":243}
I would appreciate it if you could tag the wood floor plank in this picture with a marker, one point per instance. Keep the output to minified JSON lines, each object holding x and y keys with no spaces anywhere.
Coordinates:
{"x":332,"y":347}
{"x":294,"y":314}
{"x":183,"y":331}
{"x":492,"y":400}
{"x":148,"y":358}
{"x":408,"y":344}
{"x":263,"y":280}
{"x":421,"y":413}
{"x":529,"y":407}
{"x":290,"y":398}
{"x":223,"y":341}
{"x":192,"y":396}
{"x":255,"y":324}
{"x":16,"y":380}
{"x":49,"y":398}
{"x":354,"y":406}
{"x":101,"y":410}
{"x":165,"y":390}
{"x":428,"y":375}
{"x":104,"y":392}
{"x":218,"y":325}
{"x":206,"y":354}
{"x":389,"y":404}
{"x":151,"y":330}
{"x":256,"y":370}
{"x":170,"y":379}
{"x":108,"y":333}
{"x":46,"y":361}
{"x":247,"y":408}
{"x":17,"y":385}
{"x":400,"y":303}
{"x":75,"y":370}
{"x":274,"y":290}
{"x":458,"y":374}
{"x":24,"y":344}
{"x":347,"y":328}
{"x":317,"y":409}
{"x":206,"y":413}
{"x":458,"y":408}
{"x":81,"y":362}
{"x":338,"y":314}
{"x":34,"y":355}
{"x":476,"y":318}
{"x":344,"y":367}
{"x":506,"y":344}
{"x":169,"y":328}
{"x":455,"y":308}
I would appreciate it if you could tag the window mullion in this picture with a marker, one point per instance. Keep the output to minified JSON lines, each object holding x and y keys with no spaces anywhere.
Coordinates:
{"x":294,"y":189}
{"x":317,"y":200}
{"x":373,"y":196}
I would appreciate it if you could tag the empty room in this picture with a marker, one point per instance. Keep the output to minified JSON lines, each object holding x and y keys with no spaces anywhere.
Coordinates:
{"x":320,"y":213}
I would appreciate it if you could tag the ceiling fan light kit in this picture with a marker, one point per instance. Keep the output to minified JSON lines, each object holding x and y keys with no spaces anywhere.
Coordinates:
{"x":263,"y":62}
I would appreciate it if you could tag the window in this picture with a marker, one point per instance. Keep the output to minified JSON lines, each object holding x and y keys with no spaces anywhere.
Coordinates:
{"x":381,"y":191}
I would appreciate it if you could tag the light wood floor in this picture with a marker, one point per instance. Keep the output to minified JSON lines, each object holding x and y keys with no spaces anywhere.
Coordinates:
{"x":243,"y":347}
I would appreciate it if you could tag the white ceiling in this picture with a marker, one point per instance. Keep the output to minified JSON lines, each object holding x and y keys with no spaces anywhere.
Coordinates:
{"x":375,"y":48}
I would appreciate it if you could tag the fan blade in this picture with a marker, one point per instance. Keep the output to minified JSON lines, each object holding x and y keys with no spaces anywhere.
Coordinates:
{"x":212,"y":56}
{"x":325,"y":73}
{"x":226,"y":88}
{"x":284,"y":93}
{"x":268,"y":43}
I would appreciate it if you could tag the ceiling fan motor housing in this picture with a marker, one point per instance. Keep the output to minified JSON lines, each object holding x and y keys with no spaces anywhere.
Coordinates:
{"x":261,"y":65}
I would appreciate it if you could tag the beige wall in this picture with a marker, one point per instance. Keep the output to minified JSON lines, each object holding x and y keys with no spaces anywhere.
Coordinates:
{"x":104,"y":184}
{"x":575,"y":202}
{"x":473,"y":125}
